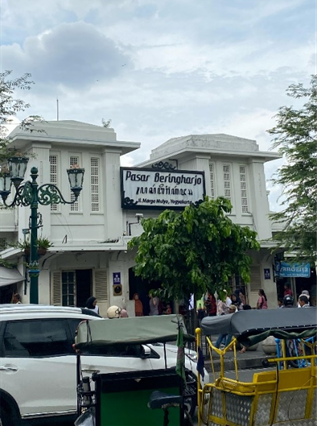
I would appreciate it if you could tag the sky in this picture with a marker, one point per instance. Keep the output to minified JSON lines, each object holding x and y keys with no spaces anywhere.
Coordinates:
{"x":160,"y":69}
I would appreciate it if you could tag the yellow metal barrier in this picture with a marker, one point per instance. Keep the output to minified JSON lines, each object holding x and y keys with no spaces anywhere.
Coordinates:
{"x":272,"y":397}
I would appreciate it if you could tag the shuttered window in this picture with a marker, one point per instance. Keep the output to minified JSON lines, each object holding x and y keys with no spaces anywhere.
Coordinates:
{"x":56,"y":289}
{"x":243,"y":189}
{"x":94,"y":184}
{"x":212,"y":180}
{"x":53,"y":177}
{"x":63,"y":288}
{"x":101,"y":284}
{"x":227,"y":181}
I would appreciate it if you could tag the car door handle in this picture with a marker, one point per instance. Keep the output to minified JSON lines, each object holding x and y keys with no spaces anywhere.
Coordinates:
{"x":2,"y":368}
{"x":90,"y":370}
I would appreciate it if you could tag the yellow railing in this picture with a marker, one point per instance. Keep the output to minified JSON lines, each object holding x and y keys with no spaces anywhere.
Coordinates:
{"x":273,"y":396}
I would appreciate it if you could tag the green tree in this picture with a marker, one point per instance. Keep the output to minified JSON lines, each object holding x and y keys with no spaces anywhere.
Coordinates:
{"x":193,"y":251}
{"x":10,"y":106}
{"x":296,"y":139}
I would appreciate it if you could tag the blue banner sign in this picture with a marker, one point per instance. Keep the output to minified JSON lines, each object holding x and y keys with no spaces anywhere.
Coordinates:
{"x":284,"y":269}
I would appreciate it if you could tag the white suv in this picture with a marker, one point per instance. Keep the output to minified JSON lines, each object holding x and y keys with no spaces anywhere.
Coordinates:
{"x":38,"y":362}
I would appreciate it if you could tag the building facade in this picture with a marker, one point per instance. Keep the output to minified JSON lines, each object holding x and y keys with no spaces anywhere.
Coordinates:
{"x":89,"y":254}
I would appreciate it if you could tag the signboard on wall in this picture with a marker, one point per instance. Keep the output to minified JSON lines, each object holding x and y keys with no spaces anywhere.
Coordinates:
{"x":117,"y":285}
{"x":267,"y":273}
{"x":285,"y":269}
{"x":157,"y":189}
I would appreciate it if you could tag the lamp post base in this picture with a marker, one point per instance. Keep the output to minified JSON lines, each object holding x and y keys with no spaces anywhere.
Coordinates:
{"x":34,"y":287}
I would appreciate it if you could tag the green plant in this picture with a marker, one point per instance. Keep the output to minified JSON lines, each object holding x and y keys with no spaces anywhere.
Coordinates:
{"x":42,"y":243}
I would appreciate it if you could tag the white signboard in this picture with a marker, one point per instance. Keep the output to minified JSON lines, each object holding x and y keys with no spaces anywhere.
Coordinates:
{"x":157,"y":189}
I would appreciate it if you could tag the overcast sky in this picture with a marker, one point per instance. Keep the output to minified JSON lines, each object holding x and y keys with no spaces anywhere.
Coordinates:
{"x":162,"y":68}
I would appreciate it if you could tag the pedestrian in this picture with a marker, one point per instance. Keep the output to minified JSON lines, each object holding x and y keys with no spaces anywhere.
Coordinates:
{"x":153,"y":303}
{"x":303,"y":301}
{"x":303,"y":293}
{"x":245,"y":308}
{"x":225,"y":339}
{"x":242,"y":298}
{"x":201,"y":313}
{"x":114,"y":312}
{"x":288,"y":301}
{"x":92,"y":304}
{"x":228,"y":300}
{"x":167,"y":310}
{"x":211,"y":305}
{"x":124,"y":314}
{"x":138,"y":305}
{"x":236,"y":301}
{"x":16,"y":299}
{"x":287,"y":290}
{"x":222,"y":307}
{"x":262,"y":300}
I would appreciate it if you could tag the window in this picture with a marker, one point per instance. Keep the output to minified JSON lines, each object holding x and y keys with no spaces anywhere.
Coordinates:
{"x":227,"y":181}
{"x":53,"y":176}
{"x":212,"y":180}
{"x":36,"y":338}
{"x":73,"y":160}
{"x":68,"y":288}
{"x":94,"y":184}
{"x":243,"y":189}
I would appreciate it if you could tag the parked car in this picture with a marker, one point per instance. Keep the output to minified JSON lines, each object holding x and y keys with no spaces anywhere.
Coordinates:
{"x":38,"y":362}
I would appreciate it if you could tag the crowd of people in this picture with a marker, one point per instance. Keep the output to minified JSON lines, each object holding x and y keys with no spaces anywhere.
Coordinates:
{"x":226,"y":304}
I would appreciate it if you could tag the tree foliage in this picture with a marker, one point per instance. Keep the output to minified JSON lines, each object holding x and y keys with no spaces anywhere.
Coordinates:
{"x":296,"y":139}
{"x":10,"y":106}
{"x":193,"y":251}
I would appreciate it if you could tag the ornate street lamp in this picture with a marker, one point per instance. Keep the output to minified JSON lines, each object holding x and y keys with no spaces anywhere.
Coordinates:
{"x":30,"y":194}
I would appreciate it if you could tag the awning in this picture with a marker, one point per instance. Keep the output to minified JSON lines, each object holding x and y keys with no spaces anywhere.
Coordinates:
{"x":9,"y":276}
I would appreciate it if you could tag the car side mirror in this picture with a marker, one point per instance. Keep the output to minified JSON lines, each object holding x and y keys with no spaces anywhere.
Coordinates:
{"x":145,"y":352}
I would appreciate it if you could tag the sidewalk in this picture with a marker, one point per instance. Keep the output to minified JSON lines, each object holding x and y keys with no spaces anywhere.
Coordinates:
{"x":247,"y":360}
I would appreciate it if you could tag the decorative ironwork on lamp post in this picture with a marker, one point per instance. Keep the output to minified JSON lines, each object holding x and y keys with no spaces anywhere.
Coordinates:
{"x":31,"y":194}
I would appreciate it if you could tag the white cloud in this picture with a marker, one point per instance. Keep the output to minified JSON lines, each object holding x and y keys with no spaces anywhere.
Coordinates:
{"x":161,"y":68}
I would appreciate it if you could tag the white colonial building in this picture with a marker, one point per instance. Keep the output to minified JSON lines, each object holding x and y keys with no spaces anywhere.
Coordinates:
{"x":89,"y":254}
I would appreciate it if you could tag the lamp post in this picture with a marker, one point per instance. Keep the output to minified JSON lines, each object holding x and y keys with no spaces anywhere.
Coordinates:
{"x":31,"y":194}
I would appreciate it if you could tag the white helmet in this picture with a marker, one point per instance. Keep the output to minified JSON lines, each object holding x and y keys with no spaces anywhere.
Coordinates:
{"x":113,"y":312}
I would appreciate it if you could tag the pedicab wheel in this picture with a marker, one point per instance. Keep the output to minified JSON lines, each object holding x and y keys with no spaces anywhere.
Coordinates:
{"x":190,"y":403}
{"x":5,"y":419}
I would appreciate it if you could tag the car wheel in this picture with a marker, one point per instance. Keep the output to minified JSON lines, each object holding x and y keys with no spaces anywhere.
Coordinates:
{"x":4,"y":419}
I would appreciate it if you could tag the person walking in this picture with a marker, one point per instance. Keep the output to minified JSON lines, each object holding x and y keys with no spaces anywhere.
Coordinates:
{"x":225,"y":339}
{"x":222,"y":307}
{"x":306,"y":294}
{"x":211,"y":305}
{"x":16,"y":299}
{"x":92,"y":304}
{"x":153,"y":304}
{"x":287,"y":290}
{"x":303,"y":301}
{"x":262,"y":300}
{"x":138,"y":305}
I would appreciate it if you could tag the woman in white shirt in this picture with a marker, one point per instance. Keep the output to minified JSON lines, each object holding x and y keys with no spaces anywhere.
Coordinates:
{"x":92,"y":304}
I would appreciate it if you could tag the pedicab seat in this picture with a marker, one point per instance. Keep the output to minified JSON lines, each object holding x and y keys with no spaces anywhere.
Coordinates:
{"x":163,"y":400}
